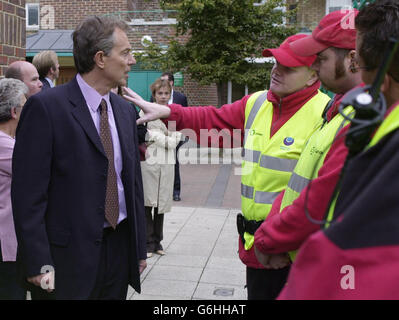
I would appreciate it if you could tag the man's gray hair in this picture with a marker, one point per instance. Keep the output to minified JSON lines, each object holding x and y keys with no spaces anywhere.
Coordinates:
{"x":11,"y":92}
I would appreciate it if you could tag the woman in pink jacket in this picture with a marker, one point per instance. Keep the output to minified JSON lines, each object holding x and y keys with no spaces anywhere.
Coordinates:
{"x":12,"y":98}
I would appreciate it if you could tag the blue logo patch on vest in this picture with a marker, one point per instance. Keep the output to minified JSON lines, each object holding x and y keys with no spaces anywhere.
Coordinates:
{"x":288,"y":141}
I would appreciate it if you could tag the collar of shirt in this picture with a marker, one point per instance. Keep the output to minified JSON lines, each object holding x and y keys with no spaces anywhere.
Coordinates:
{"x":51,"y":83}
{"x":92,"y":97}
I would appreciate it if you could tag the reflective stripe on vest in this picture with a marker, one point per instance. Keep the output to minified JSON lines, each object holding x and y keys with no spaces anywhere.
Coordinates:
{"x":273,"y":163}
{"x":268,"y":161}
{"x":260,"y":196}
{"x":297,"y":183}
{"x":247,"y":191}
{"x":254,"y":111}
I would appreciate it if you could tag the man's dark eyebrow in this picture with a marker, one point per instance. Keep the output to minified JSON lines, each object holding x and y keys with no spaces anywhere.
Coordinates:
{"x":127,"y":50}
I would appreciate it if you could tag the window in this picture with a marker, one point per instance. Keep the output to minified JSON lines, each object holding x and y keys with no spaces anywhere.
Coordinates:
{"x":335,"y":5}
{"x":293,"y":19}
{"x":260,"y":3}
{"x":32,"y":16}
{"x":283,"y":9}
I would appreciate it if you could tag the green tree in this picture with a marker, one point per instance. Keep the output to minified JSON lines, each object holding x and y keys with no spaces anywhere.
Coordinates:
{"x":224,"y":38}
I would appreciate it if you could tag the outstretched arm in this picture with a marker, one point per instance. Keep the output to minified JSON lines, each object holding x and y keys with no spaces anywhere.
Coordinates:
{"x":208,"y":125}
{"x":152,"y":111}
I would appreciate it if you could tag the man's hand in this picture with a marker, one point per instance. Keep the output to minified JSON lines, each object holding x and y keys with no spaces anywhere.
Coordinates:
{"x":279,"y":261}
{"x":142,"y":265}
{"x":272,"y":261}
{"x":45,"y":281}
{"x":152,"y":111}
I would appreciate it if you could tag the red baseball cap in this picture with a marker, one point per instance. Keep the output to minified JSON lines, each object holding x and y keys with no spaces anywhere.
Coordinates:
{"x":285,"y":56}
{"x":336,"y":29}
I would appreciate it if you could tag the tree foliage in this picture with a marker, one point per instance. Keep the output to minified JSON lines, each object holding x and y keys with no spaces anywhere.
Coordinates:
{"x":225,"y":36}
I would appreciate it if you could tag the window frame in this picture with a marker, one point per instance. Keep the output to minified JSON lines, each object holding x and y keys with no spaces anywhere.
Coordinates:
{"x":27,"y":6}
{"x":346,"y":6}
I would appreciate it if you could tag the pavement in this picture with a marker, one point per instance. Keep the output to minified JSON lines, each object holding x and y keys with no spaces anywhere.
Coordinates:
{"x":200,"y":239}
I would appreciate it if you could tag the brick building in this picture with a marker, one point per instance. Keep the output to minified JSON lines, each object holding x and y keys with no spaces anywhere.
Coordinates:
{"x":310,"y":12}
{"x":49,"y":24}
{"x":56,"y":19}
{"x":12,"y":32}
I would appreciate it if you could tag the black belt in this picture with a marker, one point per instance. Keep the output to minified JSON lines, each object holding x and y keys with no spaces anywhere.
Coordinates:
{"x":245,"y":225}
{"x":109,"y":230}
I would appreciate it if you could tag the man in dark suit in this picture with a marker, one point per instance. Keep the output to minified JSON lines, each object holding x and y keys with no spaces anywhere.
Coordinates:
{"x":46,"y":63}
{"x":77,"y":190}
{"x":179,"y":98}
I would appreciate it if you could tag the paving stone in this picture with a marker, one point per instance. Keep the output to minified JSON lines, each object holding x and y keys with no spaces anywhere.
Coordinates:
{"x":223,"y":276}
{"x":207,"y":291}
{"x":175,"y":273}
{"x":183,"y":260}
{"x":169,"y":288}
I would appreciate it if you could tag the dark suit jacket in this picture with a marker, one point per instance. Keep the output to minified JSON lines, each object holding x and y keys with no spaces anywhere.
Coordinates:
{"x":179,"y":98}
{"x":59,"y":184}
{"x":45,"y":83}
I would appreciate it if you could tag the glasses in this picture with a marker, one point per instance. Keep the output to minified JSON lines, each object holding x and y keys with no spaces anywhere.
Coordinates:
{"x":362,"y":68}
{"x":359,"y":67}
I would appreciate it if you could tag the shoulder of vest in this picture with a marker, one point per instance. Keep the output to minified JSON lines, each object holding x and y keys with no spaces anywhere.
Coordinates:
{"x":390,"y":123}
{"x":321,"y":96}
{"x":252,"y":99}
{"x":255,"y":96}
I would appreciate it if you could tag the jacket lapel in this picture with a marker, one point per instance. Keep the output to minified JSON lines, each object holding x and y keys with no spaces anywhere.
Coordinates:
{"x":81,"y":113}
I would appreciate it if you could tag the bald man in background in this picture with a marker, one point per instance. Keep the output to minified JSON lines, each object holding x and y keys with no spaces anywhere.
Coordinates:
{"x":27,"y":73}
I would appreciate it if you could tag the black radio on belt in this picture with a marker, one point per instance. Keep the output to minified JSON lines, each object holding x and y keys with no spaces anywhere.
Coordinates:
{"x":244,"y":225}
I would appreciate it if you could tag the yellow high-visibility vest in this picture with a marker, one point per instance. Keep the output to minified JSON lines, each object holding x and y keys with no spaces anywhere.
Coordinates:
{"x":312,"y":159}
{"x":269,"y":161}
{"x":389,"y":124}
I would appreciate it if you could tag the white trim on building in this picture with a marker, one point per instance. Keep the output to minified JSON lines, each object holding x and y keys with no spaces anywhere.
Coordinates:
{"x":32,"y":16}
{"x":334,"y":5}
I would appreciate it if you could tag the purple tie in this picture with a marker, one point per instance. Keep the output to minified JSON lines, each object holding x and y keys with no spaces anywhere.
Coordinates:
{"x":111,"y":197}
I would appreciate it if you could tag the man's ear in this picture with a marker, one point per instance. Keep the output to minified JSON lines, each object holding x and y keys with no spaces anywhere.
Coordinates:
{"x":99,"y":59}
{"x":386,"y":84}
{"x":312,"y":79}
{"x":353,"y":65}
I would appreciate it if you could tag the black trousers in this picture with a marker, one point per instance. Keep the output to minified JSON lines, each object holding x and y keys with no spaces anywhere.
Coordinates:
{"x":113,"y":274}
{"x":154,"y":229}
{"x":177,"y":183}
{"x":10,"y":287}
{"x":113,"y":270}
{"x":265,"y":284}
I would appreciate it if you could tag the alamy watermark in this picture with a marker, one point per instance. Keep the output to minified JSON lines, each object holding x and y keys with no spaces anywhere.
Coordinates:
{"x":214,"y":147}
{"x":348,"y":280}
{"x":348,"y":21}
{"x":48,"y":280}
{"x":47,"y":17}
